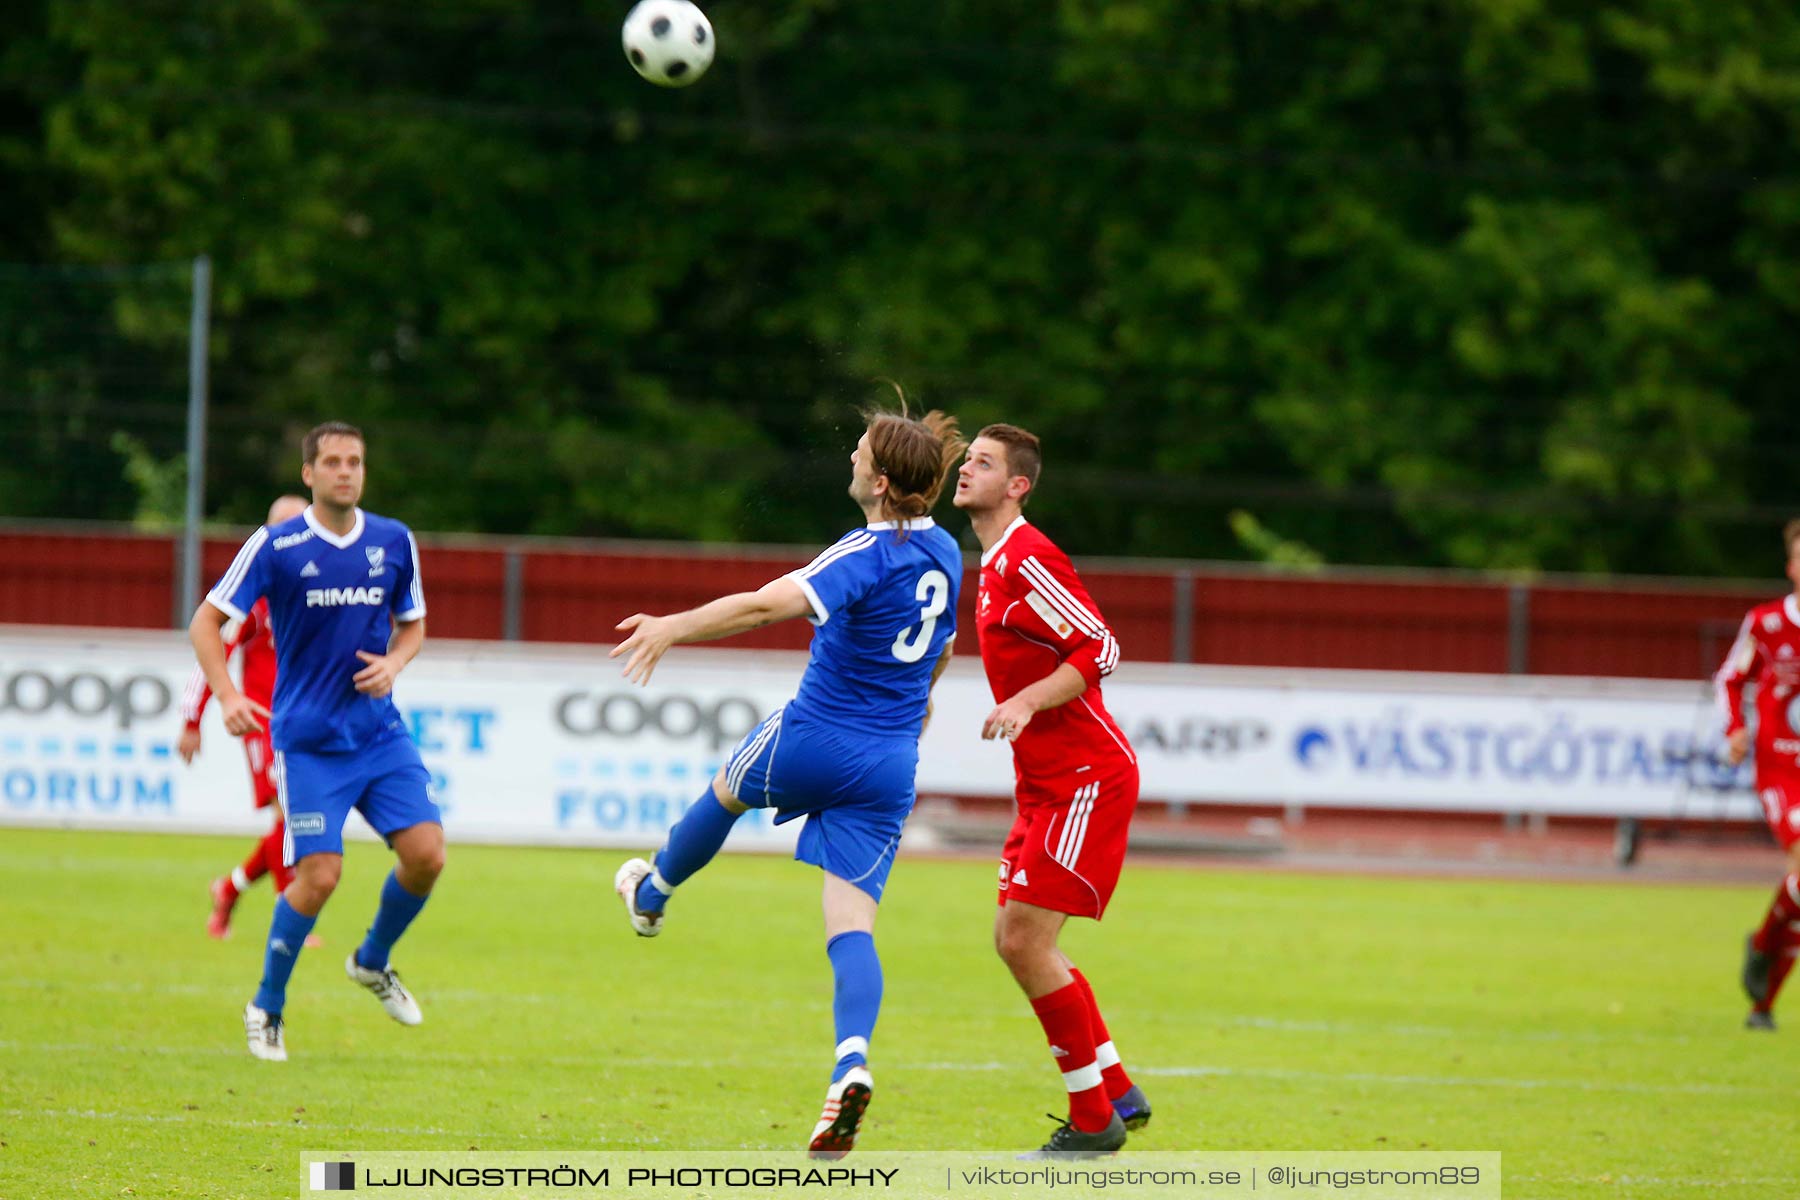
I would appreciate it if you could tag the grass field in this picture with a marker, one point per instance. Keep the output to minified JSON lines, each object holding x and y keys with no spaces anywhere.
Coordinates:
{"x":1590,"y":1033}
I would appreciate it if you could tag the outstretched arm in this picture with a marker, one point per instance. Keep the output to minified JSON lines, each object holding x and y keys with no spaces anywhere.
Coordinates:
{"x":649,"y":638}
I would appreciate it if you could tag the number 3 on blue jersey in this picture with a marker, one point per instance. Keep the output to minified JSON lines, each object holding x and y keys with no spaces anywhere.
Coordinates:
{"x":934,"y":592}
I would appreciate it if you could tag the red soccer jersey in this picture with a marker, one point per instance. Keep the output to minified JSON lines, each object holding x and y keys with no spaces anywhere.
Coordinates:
{"x":253,"y":641}
{"x":1767,"y":653}
{"x":1032,"y":614}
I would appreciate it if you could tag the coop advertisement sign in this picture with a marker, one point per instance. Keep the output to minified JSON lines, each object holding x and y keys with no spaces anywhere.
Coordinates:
{"x":548,"y":744}
{"x":551,"y":748}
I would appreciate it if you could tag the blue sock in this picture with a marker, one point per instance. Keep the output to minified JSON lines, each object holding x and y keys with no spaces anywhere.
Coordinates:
{"x":398,"y":908}
{"x":691,"y":845}
{"x":856,"y":1001}
{"x":287,"y":934}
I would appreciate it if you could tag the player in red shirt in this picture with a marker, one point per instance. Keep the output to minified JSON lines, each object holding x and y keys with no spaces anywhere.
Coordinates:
{"x":1767,"y":653}
{"x":254,"y":643}
{"x":1045,"y":648}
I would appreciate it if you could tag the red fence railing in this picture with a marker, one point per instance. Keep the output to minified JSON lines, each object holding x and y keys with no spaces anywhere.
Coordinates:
{"x":573,"y":591}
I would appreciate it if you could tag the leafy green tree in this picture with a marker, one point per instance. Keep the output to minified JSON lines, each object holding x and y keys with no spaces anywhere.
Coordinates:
{"x":1497,"y":285}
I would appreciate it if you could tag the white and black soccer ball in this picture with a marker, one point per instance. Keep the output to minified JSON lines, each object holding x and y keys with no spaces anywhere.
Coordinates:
{"x":668,"y":42}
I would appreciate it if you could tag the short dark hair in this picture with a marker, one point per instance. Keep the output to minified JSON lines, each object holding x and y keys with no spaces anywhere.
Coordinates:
{"x":1789,"y":534}
{"x":309,"y":445}
{"x":1024,"y":455}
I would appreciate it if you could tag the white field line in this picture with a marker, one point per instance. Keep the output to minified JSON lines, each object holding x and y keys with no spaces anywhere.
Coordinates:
{"x":1207,"y":1071}
{"x":1335,"y":1029}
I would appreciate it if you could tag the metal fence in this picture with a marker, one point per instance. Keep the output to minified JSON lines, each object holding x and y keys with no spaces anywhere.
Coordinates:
{"x":552,"y":590}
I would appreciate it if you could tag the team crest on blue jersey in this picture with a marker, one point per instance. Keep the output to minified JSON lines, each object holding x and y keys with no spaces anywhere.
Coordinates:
{"x":376,"y":556}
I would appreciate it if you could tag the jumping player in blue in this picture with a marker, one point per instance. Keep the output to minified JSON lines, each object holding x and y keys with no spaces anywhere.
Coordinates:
{"x":843,"y":753}
{"x":348,"y":611}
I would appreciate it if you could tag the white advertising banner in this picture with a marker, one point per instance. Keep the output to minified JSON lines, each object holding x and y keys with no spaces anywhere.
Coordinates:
{"x":548,"y":744}
{"x":1370,"y":739}
{"x":545,"y":744}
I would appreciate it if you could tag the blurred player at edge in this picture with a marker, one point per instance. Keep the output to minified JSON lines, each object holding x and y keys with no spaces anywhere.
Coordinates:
{"x":1767,"y":653}
{"x":844,"y":752}
{"x":1045,"y":648}
{"x":348,"y":610}
{"x":254,"y":644}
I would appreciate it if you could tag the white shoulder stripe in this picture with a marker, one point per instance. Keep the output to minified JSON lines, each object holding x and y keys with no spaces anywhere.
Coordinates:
{"x":418,"y":580}
{"x":240,"y":566}
{"x":1091,"y":621}
{"x":849,"y":544}
{"x":1059,"y":597}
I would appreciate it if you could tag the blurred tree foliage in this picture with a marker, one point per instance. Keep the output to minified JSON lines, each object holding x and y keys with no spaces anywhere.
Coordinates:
{"x":1493,"y":283}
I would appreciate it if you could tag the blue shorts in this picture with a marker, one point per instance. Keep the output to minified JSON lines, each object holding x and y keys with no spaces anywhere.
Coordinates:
{"x":385,"y":782}
{"x":854,"y":791}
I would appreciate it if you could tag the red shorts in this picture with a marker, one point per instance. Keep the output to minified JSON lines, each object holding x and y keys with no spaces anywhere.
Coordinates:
{"x":1067,"y":844}
{"x":260,"y":753}
{"x":1781,"y":808}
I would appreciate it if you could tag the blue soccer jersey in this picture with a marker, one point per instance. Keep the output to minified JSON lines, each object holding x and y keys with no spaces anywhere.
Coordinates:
{"x":329,"y":597}
{"x":884,"y":607}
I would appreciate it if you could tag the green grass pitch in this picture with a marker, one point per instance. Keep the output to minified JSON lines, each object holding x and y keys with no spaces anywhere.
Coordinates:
{"x":1589,"y":1032}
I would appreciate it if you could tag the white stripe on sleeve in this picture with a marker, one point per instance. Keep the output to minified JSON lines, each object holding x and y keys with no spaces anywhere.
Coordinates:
{"x":415,"y":595}
{"x":1064,"y":601}
{"x":220,"y":596}
{"x":1736,"y":665}
{"x":850,"y":543}
{"x":190,"y":696}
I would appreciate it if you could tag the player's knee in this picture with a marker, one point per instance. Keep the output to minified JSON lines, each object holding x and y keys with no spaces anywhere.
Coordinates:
{"x":1018,"y":945}
{"x":425,"y":863}
{"x":318,"y":874}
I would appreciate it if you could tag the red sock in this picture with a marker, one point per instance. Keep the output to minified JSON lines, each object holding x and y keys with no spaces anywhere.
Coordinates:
{"x":271,"y":849}
{"x":256,"y":865}
{"x":1112,"y":1071}
{"x":1064,"y":1016}
{"x":1778,"y":973}
{"x":1783,"y":910}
